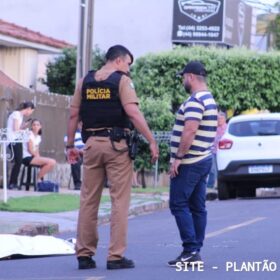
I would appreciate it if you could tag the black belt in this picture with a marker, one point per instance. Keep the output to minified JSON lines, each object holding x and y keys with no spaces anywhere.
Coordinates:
{"x":106,"y":133}
{"x":115,"y":134}
{"x":102,"y":133}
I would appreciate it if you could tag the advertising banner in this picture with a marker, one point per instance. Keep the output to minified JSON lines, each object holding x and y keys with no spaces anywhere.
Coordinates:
{"x":198,"y":21}
{"x":226,"y":22}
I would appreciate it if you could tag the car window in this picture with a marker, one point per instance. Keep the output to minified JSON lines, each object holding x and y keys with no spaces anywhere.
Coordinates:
{"x":255,"y":128}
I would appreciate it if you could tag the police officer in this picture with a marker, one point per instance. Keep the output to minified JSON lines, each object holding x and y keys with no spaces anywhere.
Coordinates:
{"x":106,"y":102}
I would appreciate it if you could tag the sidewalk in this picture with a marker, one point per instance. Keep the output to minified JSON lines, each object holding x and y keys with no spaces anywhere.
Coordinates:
{"x":52,"y":223}
{"x":25,"y":223}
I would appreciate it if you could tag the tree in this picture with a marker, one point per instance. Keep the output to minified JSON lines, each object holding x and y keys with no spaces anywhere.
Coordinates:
{"x":61,"y":73}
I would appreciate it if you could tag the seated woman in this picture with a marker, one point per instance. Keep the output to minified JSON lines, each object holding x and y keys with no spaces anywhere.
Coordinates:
{"x":31,"y":155}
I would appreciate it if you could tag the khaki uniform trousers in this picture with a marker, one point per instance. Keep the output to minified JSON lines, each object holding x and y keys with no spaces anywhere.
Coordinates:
{"x":101,"y":161}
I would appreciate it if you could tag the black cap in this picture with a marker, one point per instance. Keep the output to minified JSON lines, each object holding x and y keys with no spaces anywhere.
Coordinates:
{"x":194,"y":67}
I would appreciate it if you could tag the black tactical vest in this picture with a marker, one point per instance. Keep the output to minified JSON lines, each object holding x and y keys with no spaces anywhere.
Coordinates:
{"x":101,"y":105}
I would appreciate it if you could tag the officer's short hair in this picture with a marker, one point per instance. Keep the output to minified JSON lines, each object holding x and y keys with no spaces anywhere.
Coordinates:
{"x":117,"y":51}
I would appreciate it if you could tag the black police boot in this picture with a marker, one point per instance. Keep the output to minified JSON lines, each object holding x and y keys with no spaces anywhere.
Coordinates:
{"x":86,"y":263}
{"x":119,"y":264}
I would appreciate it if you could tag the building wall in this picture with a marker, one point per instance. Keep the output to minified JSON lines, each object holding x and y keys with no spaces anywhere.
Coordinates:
{"x":28,"y":69}
{"x":51,"y":109}
{"x":1,"y":58}
{"x":20,"y":64}
{"x":142,"y":25}
{"x":9,"y":60}
{"x":43,"y":60}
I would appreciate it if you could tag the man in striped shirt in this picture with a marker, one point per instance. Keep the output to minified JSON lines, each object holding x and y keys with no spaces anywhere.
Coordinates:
{"x":191,"y":141}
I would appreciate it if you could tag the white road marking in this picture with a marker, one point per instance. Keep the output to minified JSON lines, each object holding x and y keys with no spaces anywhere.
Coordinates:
{"x":233,"y":227}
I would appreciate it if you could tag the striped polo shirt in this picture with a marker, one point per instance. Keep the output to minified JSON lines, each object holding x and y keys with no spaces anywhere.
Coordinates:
{"x":78,"y":143}
{"x":199,"y":106}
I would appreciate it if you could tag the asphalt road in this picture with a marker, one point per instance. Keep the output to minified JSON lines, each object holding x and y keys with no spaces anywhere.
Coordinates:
{"x":242,"y":235}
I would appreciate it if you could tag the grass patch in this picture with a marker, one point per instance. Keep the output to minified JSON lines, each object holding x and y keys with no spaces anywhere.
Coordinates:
{"x":50,"y":203}
{"x":150,"y":190}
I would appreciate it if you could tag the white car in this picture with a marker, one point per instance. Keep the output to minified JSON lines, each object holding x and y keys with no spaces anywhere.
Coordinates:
{"x":248,"y":155}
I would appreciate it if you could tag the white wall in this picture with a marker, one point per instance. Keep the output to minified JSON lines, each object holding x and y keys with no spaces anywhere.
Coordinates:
{"x":141,"y":25}
{"x":20,"y":64}
{"x":43,"y":60}
{"x":29,"y":68}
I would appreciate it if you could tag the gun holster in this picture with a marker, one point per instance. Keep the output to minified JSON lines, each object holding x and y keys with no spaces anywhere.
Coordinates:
{"x":117,"y":133}
{"x":132,"y":143}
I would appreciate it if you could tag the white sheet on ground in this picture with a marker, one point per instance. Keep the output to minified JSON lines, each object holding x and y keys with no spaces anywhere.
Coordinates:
{"x":39,"y":245}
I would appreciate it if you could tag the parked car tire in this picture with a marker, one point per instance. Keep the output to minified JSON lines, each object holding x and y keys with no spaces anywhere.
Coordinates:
{"x":223,"y":190}
{"x":246,"y":192}
{"x":232,"y":190}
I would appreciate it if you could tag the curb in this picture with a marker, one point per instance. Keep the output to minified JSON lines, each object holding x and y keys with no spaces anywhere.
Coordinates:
{"x":138,"y":210}
{"x":38,"y":229}
{"x":32,"y":229}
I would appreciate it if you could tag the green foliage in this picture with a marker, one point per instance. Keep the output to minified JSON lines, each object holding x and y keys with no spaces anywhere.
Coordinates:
{"x":152,"y":190}
{"x":157,"y":112}
{"x":45,"y":203}
{"x":238,"y":78}
{"x":61,"y":73}
{"x":159,"y":117}
{"x":50,"y":203}
{"x":98,"y":58}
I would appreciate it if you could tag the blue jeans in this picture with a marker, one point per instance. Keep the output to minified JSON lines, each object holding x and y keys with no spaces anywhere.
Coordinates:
{"x":187,"y":203}
{"x":213,"y":173}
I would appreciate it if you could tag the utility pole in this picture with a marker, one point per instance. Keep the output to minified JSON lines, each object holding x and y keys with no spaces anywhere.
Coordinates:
{"x":84,"y":50}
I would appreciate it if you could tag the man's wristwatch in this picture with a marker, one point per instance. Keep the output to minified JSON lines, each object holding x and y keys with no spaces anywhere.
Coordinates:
{"x":177,"y":157}
{"x":69,"y":147}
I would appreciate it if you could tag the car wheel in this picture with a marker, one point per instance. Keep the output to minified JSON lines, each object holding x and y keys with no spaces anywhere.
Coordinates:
{"x":223,"y":190}
{"x":246,"y":192}
{"x":232,"y":191}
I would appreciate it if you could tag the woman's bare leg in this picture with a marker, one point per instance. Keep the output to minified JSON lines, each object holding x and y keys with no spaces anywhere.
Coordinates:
{"x":46,"y":165}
